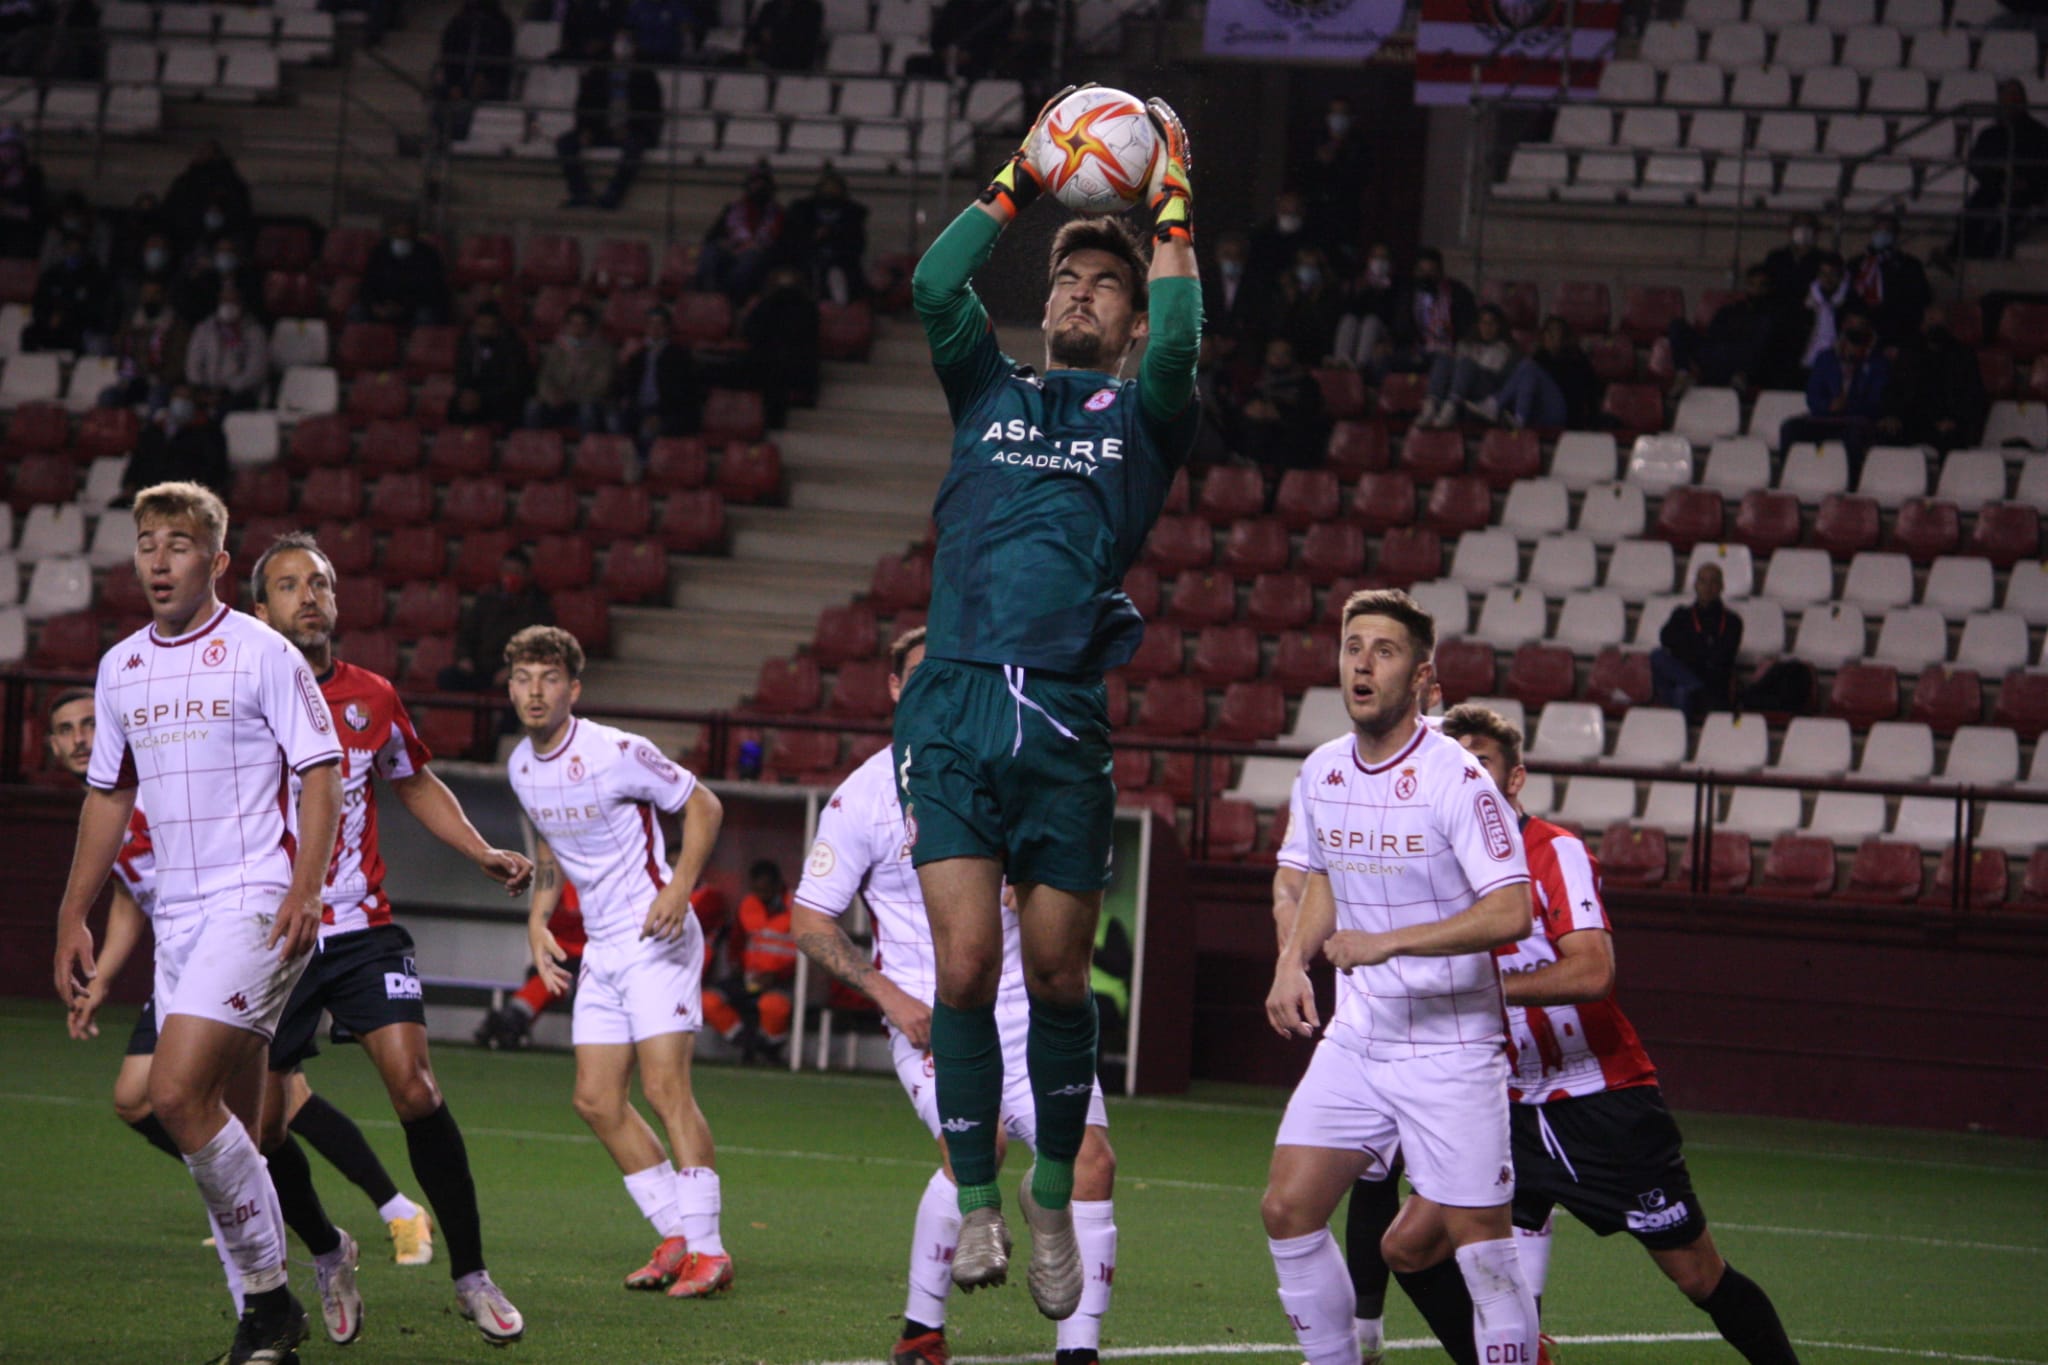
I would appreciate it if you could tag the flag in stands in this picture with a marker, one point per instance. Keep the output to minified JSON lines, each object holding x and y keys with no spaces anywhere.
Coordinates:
{"x":1295,"y":30}
{"x":1511,"y":48}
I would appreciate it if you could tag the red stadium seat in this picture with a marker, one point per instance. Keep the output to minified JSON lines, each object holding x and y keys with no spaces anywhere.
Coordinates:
{"x":331,"y":495}
{"x":474,"y":505}
{"x":255,"y":536}
{"x":1255,"y":546}
{"x":121,"y":597}
{"x":1634,"y":855}
{"x":552,"y":258}
{"x":1428,"y":453}
{"x":1966,"y":320}
{"x":1507,"y":457}
{"x":427,"y":609}
{"x":402,"y":499}
{"x":1945,"y":698}
{"x":422,"y":673}
{"x":601,"y":461}
{"x":1308,"y":498}
{"x":806,"y":756}
{"x":750,"y":472}
{"x":1620,"y":678}
{"x":1460,"y":503}
{"x":1159,"y":653}
{"x":341,"y":298}
{"x":1634,"y":407}
{"x":430,"y":350}
{"x":1728,"y":867}
{"x":1332,"y":550}
{"x":787,"y":687}
{"x":1171,"y":708}
{"x":415,"y":552}
{"x":1885,"y":870}
{"x":1233,"y":829}
{"x":1408,"y":555}
{"x":845,"y":632}
{"x":106,"y":432}
{"x":478,"y":556}
{"x":448,"y":732}
{"x":1280,"y":601}
{"x":1865,"y":693}
{"x":635,"y":571}
{"x":1767,"y":520}
{"x":1251,"y":711}
{"x":1846,"y":524}
{"x":430,"y":403}
{"x":68,"y":643}
{"x":1799,"y":865}
{"x":1141,"y":585}
{"x":1356,"y":447}
{"x":860,"y":690}
{"x":621,"y":263}
{"x":365,"y":347}
{"x":1179,"y":543}
{"x":1710,"y":302}
{"x":678,"y":268}
{"x":1987,"y":883}
{"x":17,"y":280}
{"x":734,"y":415}
{"x":1647,"y":311}
{"x":391,"y":447}
{"x":459,"y":452}
{"x":1584,"y":305}
{"x":693,"y":522}
{"x":1178,"y":776}
{"x":2023,"y":704}
{"x":1541,"y":674}
{"x":1385,"y":500}
{"x":316,"y":441}
{"x":619,"y":512}
{"x":372,"y":396}
{"x":1926,"y":528}
{"x":1202,"y":598}
{"x":677,"y":462}
{"x":586,"y":614}
{"x":846,"y":331}
{"x":1996,"y":369}
{"x":702,"y":319}
{"x":563,"y":561}
{"x":346,"y":251}
{"x":375,"y":650}
{"x":483,"y":258}
{"x":1131,"y":769}
{"x":1224,"y":655}
{"x":1230,"y":492}
{"x":2023,"y":328}
{"x":1343,"y":393}
{"x":1401,"y":395}
{"x":2034,"y":884}
{"x":1305,"y":658}
{"x":2006,"y":533}
{"x":38,"y":427}
{"x":551,"y":305}
{"x":905,"y":580}
{"x":532,"y":455}
{"x":359,"y":603}
{"x":1689,"y":515}
{"x":1613,"y":359}
{"x":1177,"y":499}
{"x":1519,"y":300}
{"x":548,"y":507}
{"x":624,"y":316}
{"x":263,"y":491}
{"x":2037,"y":379}
{"x":1465,"y":669}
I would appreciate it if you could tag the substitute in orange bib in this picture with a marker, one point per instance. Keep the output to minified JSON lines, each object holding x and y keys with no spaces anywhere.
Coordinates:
{"x":752,"y":1009}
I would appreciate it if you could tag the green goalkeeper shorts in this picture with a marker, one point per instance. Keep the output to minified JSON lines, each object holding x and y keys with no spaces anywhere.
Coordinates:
{"x":995,"y":762}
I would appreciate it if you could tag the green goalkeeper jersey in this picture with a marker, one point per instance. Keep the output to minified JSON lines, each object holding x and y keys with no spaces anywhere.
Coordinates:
{"x":1056,"y":479}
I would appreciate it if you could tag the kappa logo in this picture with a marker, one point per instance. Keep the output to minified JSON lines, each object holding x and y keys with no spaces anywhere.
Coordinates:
{"x":682,"y":1012}
{"x":835,"y":803}
{"x":238,"y":1002}
{"x":1506,"y":1177}
{"x":1333,"y":778}
{"x":1100,"y":399}
{"x":1471,"y":774}
{"x":576,"y":772}
{"x":134,"y":661}
{"x":1404,"y":785}
{"x":216,"y":652}
{"x":959,"y":1125}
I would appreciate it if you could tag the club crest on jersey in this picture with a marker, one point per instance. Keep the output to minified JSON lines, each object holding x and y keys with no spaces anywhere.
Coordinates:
{"x":355,"y":717}
{"x":1100,"y":399}
{"x":1404,"y":785}
{"x":216,"y":651}
{"x":822,"y":860}
{"x":576,"y":773}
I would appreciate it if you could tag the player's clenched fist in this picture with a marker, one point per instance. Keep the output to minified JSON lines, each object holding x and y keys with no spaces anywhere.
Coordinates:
{"x":1348,"y":948}
{"x":513,"y":871}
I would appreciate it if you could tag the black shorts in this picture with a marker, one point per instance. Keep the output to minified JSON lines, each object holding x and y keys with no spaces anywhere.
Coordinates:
{"x":1613,"y":1160}
{"x":142,"y":1038}
{"x":365,"y":979}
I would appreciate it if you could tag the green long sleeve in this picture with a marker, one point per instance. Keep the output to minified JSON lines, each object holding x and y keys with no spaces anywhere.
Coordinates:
{"x":942,"y":287}
{"x":1166,"y":376}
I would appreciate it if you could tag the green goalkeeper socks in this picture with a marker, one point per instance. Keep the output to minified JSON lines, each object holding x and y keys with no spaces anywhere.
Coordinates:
{"x":1060,"y":1049}
{"x":967,"y":1068}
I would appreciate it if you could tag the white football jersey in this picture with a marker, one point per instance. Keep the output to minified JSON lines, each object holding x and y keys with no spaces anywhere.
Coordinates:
{"x":594,"y":800}
{"x":1413,"y":840}
{"x":210,"y":727}
{"x":863,"y":848}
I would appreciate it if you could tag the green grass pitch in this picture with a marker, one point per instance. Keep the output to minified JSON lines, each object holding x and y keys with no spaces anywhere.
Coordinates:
{"x":1877,"y":1244}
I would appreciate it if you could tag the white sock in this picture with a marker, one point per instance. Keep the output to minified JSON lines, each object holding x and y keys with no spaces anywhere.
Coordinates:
{"x":227,"y":1263}
{"x":1534,"y":1250}
{"x":932,"y":1243}
{"x":697,"y":1196}
{"x":1315,"y":1289}
{"x":1095,"y":1233}
{"x":235,"y":1183}
{"x":397,"y":1207}
{"x":1503,"y":1309}
{"x":654,"y":1191}
{"x":1371,"y":1334}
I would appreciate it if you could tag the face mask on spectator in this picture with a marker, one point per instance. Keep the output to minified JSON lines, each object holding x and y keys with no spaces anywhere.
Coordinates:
{"x":1289,"y":223}
{"x":1339,"y":124}
{"x":230,"y":312}
{"x":401,"y":247}
{"x":182,"y":411}
{"x":1882,"y":239}
{"x":215,"y":220}
{"x":1232,"y":270}
{"x":155,"y":258}
{"x":622,"y":52}
{"x":1802,"y":237}
{"x":512,"y":584}
{"x":225,"y":262}
{"x":1380,"y":271}
{"x":1308,"y":276}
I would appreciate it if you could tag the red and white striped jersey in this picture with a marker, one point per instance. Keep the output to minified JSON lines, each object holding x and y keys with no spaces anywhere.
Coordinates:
{"x":377,"y":740}
{"x":594,"y":798}
{"x":1559,"y":1051}
{"x":135,"y":864}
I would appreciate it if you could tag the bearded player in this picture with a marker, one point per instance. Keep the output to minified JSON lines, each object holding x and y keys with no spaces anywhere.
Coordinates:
{"x":1002,"y":747}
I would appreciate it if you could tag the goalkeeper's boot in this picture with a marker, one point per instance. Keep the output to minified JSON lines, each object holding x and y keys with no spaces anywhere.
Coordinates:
{"x":1056,"y":1273}
{"x":412,"y":1239}
{"x":926,"y":1348}
{"x":341,"y":1303}
{"x":484,"y":1304}
{"x":269,"y":1332}
{"x":702,"y":1275}
{"x":982,"y":1256}
{"x":662,"y":1267}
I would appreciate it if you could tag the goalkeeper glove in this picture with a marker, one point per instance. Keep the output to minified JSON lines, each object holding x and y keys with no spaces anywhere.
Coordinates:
{"x":1170,"y":195}
{"x":1016,"y":184}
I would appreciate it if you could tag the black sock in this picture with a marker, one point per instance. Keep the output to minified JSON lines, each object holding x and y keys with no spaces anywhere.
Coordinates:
{"x":1373,"y":1206}
{"x":271,"y":1302}
{"x":441,"y":1162}
{"x":156,"y":1135}
{"x":1446,"y":1305}
{"x":1744,"y":1315}
{"x":298,"y":1200}
{"x":334,"y":1135}
{"x":1076,"y":1355}
{"x":913,"y":1328}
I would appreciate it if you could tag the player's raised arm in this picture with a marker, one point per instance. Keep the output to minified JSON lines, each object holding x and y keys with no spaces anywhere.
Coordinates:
{"x":436,"y":807}
{"x":101,"y":823}
{"x":703,"y":814}
{"x":1167,"y":373}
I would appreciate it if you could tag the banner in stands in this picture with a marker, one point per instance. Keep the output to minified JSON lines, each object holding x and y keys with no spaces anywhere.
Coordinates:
{"x":1515,"y":48}
{"x":1299,"y":30}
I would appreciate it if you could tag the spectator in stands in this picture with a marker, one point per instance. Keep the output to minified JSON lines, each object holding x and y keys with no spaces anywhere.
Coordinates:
{"x":657,"y":387}
{"x":1280,"y":424}
{"x":73,"y":302}
{"x":665,"y":32}
{"x":587,"y":26}
{"x":1553,"y":387}
{"x":967,"y":40}
{"x":1430,"y":314}
{"x":1311,"y":304}
{"x":826,"y":235}
{"x":1794,"y":265}
{"x":1693,"y":668}
{"x":228,"y":362}
{"x":150,"y":347}
{"x":495,"y":615}
{"x":493,"y":377}
{"x":1891,"y":284}
{"x":783,"y":35}
{"x":475,"y":65}
{"x":134,"y":229}
{"x":208,"y":199}
{"x":780,"y":328}
{"x":1365,"y":332}
{"x":198,"y":290}
{"x":576,"y":376}
{"x":180,"y":442}
{"x":1276,"y":241}
{"x":1333,"y":166}
{"x":1739,"y":342}
{"x":77,"y":217}
{"x":1462,"y":378}
{"x":405,"y":281}
{"x":1847,"y":396}
{"x":1215,"y":392}
{"x":743,"y":240}
{"x":1937,"y":389}
{"x":24,"y":198}
{"x":2009,"y":155}
{"x":617,"y":105}
{"x":1829,"y":303}
{"x":1231,"y":304}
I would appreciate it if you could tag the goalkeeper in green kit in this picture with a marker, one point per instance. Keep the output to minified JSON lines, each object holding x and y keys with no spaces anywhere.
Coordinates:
{"x":1002,"y":736}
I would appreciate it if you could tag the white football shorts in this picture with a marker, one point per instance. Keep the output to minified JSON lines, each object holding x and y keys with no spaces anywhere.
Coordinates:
{"x":634,"y":990}
{"x":1020,"y":1111}
{"x":216,"y":963}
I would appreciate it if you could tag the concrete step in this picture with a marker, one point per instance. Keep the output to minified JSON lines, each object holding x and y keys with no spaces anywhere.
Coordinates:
{"x":828,"y":541}
{"x":775,"y":590}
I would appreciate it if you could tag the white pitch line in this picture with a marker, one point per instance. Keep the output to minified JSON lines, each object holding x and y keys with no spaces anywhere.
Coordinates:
{"x":1270,"y":1348}
{"x":1944,"y":1242}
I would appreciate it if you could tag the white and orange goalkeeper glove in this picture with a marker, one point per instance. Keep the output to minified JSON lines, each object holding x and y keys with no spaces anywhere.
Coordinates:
{"x":1170,"y":194}
{"x":1016,"y":183}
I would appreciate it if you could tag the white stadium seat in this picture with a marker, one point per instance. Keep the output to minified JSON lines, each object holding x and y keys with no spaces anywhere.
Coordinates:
{"x":1639,"y":569}
{"x":113,"y":538}
{"x":1447,"y":603}
{"x":1707,"y":414}
{"x":1736,"y":465}
{"x":1511,"y":617}
{"x":1583,"y":458}
{"x":1982,"y":756}
{"x":1569,"y":732}
{"x":10,"y":579}
{"x":1763,"y":628}
{"x":249,"y":73}
{"x":1767,"y":415}
{"x":91,"y":376}
{"x":307,"y":391}
{"x":1666,"y":44}
{"x":1762,"y":812}
{"x":252,"y":438}
{"x":1535,"y":173}
{"x":1537,"y":507}
{"x":1583,"y":125}
{"x":1830,"y":636}
{"x":1811,"y":472}
{"x":2012,"y":828}
{"x":1879,"y":581}
{"x":2026,"y":591}
{"x":2013,"y":423}
{"x":1925,"y":820}
{"x":1847,"y":818}
{"x":1761,"y":87}
{"x":1594,"y":803}
{"x":1628,"y":82}
{"x":30,"y":378}
{"x":1800,"y":576}
{"x":1960,"y":585}
{"x":1802,"y":47}
{"x":1971,"y":478}
{"x":1897,"y":751}
{"x":1994,"y":643}
{"x":1738,"y":569}
{"x":1897,"y":92}
{"x":1815,"y":746}
{"x":13,"y":635}
{"x":1650,"y":620}
{"x":1651,"y":737}
{"x":1893,"y":474}
{"x":1485,"y":558}
{"x":1870,"y":51}
{"x":867,"y":99}
{"x":1733,"y":743}
{"x":1613,"y":512}
{"x":1589,"y":622}
{"x":1912,"y":638}
{"x":61,"y":584}
{"x":103,"y":482}
{"x":1734,"y":46}
{"x":1777,"y":14}
{"x":803,"y":96}
{"x":1565,"y":565}
{"x":1695,"y":85}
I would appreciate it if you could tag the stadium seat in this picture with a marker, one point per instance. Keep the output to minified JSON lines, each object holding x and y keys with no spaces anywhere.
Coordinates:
{"x":1584,"y":305}
{"x":900,"y":581}
{"x":1798,"y":865}
{"x":1429,"y":453}
{"x":1357,"y":447}
{"x":1539,"y":674}
{"x":1231,"y":492}
{"x":1333,"y":550}
{"x":426,"y":609}
{"x":1563,"y":566}
{"x":1733,"y":743}
{"x":1179,"y":543}
{"x":845,"y":632}
{"x":1688,"y":516}
{"x":1384,"y":500}
{"x":390,"y":447}
{"x":693,"y":521}
{"x":675,"y":462}
{"x":1982,"y":756}
{"x":484,"y":258}
{"x":1141,"y":585}
{"x":1736,"y":465}
{"x":359,"y":602}
{"x":846,"y":331}
{"x":1897,"y":751}
{"x":1508,"y":457}
{"x":107,"y":432}
{"x":1862,"y":693}
{"x":1344,"y":394}
{"x":59,"y":585}
{"x":1612,"y":512}
{"x":620,"y":265}
{"x":38,"y":428}
{"x":1632,"y":855}
{"x":1706,"y":414}
{"x":550,"y":308}
{"x":2022,"y":325}
{"x":860,"y":690}
{"x":1569,"y":732}
{"x":1984,"y":888}
{"x":1649,"y":310}
{"x":1893,"y":474}
{"x":1446,"y":602}
{"x":1634,"y":407}
{"x":1279,"y":601}
{"x":1536,"y":507}
{"x":2022,"y":704}
{"x":1304,"y":499}
{"x":1945,"y":697}
{"x":1202,"y":598}
{"x":2026,"y":591}
{"x":1170,"y":708}
{"x":1767,"y":521}
{"x":415,"y":552}
{"x":1763,"y":628}
{"x":1993,"y":642}
{"x":1846,"y":524}
{"x":2007,"y":533}
{"x":1650,"y":737}
{"x":2008,"y":424}
{"x":1912,"y":638}
{"x":1459,"y":503}
{"x":331,"y":495}
{"x":1254,"y":546}
{"x":383,"y":394}
{"x":1303,"y":659}
{"x":430,"y":351}
{"x":1761,"y":812}
{"x":1225,"y":654}
{"x":1583,"y":459}
{"x":1411,"y":554}
{"x":1481,"y":558}
{"x":1589,"y":622}
{"x":1402,"y":395}
{"x":635,"y":571}
{"x":601,"y":461}
{"x":2012,"y":828}
{"x":1811,"y":473}
{"x":1925,"y":820}
{"x":1814,"y":746}
{"x":552,"y":259}
{"x":546,"y":507}
{"x":1926,"y":528}
{"x":1232,"y":830}
{"x":1958,"y":585}
{"x":366,"y":347}
{"x":734,"y":415}
{"x":398,"y":499}
{"x":1597,"y":802}
{"x":1641,"y":569}
{"x":787,"y":687}
{"x":68,"y":643}
{"x":1799,"y":577}
{"x":1885,"y":870}
{"x":619,"y":512}
{"x":531,"y":455}
{"x":1465,"y":669}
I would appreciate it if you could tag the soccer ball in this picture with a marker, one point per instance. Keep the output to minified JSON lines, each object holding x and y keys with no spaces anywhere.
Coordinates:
{"x":1096,"y":150}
